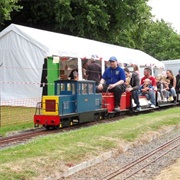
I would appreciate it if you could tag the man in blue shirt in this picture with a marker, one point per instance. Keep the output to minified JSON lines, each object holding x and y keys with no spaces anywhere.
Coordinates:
{"x":113,"y":80}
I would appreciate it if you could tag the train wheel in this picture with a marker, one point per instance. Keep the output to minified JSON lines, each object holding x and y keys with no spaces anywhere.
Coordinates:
{"x":110,"y":115}
{"x":56,"y":127}
{"x":97,"y":117}
{"x":47,"y":127}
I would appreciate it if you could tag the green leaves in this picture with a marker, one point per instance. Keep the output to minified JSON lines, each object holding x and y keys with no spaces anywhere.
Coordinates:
{"x":6,"y":7}
{"x":161,"y":41}
{"x":122,"y":22}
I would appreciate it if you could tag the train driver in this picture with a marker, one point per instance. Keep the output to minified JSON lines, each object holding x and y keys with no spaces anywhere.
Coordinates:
{"x":113,"y":81}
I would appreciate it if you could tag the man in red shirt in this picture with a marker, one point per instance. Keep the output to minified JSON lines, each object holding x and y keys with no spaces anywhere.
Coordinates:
{"x":151,"y":94}
{"x":147,"y":75}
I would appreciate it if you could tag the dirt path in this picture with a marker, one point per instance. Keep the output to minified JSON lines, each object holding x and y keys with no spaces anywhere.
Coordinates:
{"x":170,"y":173}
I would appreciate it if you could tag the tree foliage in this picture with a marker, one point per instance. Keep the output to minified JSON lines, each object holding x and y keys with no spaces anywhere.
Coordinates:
{"x":121,"y":22}
{"x":118,"y":22}
{"x":6,"y":7}
{"x":161,"y":41}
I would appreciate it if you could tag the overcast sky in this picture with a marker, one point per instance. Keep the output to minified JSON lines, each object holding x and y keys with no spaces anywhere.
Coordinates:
{"x":169,"y":10}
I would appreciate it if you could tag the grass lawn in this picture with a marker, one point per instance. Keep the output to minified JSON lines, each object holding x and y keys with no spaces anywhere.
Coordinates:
{"x":44,"y":156}
{"x":15,"y":127}
{"x":14,"y":115}
{"x":15,"y":119}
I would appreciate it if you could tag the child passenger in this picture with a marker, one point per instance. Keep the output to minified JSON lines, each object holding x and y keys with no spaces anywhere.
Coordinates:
{"x":162,"y":88}
{"x":166,"y":89}
{"x":147,"y":90}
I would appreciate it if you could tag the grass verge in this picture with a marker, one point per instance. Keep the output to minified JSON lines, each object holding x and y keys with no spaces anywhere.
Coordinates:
{"x":5,"y":130}
{"x":44,"y":156}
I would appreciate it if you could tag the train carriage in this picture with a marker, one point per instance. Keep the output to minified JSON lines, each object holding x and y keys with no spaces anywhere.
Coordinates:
{"x":77,"y":102}
{"x":68,"y":102}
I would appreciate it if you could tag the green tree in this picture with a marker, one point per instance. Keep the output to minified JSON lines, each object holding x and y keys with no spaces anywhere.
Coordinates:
{"x":131,"y":19}
{"x":117,"y":21}
{"x":161,"y":41}
{"x":121,"y":22}
{"x":6,"y":7}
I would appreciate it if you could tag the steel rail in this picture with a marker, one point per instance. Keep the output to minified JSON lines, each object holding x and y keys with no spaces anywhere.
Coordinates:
{"x":137,"y":161}
{"x":14,"y":139}
{"x":153,"y":161}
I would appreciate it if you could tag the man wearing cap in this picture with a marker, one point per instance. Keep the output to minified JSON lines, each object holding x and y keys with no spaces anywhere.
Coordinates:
{"x":178,"y":83}
{"x":93,"y":70}
{"x":113,"y":80}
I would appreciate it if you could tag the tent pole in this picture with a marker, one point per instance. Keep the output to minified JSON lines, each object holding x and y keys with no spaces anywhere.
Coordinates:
{"x":0,"y":103}
{"x":80,"y":68}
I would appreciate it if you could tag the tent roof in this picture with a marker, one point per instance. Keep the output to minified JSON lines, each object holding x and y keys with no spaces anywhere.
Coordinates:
{"x":174,"y":61}
{"x":71,"y":46}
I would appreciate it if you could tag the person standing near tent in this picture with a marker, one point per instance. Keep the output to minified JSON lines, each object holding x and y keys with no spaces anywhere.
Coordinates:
{"x":113,"y":80}
{"x":93,"y":71}
{"x":84,"y":68}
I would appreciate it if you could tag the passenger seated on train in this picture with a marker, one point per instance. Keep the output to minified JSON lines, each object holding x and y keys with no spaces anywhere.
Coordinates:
{"x":133,"y":86}
{"x":147,"y":74}
{"x":147,"y":90}
{"x":113,"y":81}
{"x":178,"y":83}
{"x":162,"y":89}
{"x":74,"y":74}
{"x":127,"y":83}
{"x":172,"y":84}
{"x":136,"y":69}
{"x":167,"y":87}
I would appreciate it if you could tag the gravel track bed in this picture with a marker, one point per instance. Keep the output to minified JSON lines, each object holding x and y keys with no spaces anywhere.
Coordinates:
{"x":100,"y":170}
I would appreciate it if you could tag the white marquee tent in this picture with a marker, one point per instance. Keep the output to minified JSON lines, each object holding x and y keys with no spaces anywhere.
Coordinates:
{"x":173,"y":65}
{"x":23,"y":49}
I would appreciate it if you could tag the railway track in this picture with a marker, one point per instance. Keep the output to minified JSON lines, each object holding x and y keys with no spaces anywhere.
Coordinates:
{"x":25,"y":136}
{"x":144,"y":161}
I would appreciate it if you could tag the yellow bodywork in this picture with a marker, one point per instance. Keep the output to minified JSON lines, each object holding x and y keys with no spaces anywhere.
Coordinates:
{"x":53,"y":98}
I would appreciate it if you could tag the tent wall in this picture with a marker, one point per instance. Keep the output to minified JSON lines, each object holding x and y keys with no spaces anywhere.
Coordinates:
{"x":173,"y":65}
{"x":21,"y":70}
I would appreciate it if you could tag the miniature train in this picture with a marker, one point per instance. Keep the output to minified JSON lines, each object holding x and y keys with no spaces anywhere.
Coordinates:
{"x":77,"y":102}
